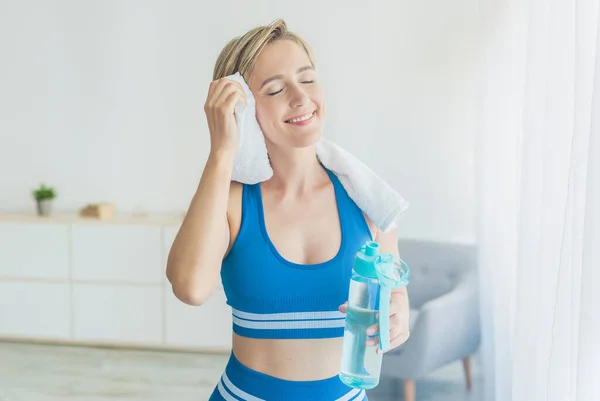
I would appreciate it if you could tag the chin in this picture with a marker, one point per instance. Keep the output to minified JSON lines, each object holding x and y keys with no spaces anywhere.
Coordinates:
{"x":307,"y":139}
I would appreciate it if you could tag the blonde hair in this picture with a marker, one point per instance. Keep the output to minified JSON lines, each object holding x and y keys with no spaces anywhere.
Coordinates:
{"x":241,"y":53}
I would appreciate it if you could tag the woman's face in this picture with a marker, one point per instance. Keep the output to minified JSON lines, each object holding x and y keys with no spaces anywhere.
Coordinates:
{"x":289,"y":98}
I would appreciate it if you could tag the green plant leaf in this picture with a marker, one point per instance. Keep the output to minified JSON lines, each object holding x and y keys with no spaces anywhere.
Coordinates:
{"x":44,"y":192}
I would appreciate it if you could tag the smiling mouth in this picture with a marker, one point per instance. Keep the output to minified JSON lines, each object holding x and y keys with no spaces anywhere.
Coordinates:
{"x":300,"y":119}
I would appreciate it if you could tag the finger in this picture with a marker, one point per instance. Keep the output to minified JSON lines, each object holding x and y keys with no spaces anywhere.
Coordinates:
{"x":397,"y":328}
{"x":232,"y":100}
{"x":214,"y":90}
{"x":211,"y":89}
{"x":343,"y":307}
{"x":237,"y":87}
{"x":221,"y":90}
{"x":373,"y":341}
{"x":396,"y":341}
{"x":222,"y":96}
{"x":232,"y":82}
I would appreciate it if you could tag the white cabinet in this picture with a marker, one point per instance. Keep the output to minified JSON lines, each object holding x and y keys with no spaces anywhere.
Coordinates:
{"x":118,"y":313}
{"x":205,"y":327}
{"x":33,"y":250}
{"x":118,"y":253}
{"x":88,"y":281}
{"x":34,"y":310}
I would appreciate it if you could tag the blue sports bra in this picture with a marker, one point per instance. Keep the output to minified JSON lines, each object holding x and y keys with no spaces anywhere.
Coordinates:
{"x":272,"y":297}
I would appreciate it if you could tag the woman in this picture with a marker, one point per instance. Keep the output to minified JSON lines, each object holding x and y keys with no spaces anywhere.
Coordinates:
{"x":283,"y":248}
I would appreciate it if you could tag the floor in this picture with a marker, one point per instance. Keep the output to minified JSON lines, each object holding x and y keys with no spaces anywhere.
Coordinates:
{"x":36,"y":372}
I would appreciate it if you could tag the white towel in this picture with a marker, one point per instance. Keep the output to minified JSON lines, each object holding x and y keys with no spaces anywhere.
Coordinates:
{"x":371,"y":194}
{"x":251,"y":164}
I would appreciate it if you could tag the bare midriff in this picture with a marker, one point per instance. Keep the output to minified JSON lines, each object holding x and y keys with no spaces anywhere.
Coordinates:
{"x":290,"y":359}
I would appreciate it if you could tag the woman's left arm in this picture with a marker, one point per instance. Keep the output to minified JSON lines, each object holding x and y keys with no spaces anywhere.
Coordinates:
{"x":399,"y":305}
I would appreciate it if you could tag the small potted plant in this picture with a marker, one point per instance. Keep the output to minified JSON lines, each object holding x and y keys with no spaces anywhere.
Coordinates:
{"x":44,"y":196}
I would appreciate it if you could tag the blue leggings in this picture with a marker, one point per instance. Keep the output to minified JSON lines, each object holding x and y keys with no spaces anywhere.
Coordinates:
{"x":239,"y":382}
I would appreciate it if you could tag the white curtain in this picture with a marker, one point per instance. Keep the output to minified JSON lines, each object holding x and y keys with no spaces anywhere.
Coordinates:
{"x":538,"y":156}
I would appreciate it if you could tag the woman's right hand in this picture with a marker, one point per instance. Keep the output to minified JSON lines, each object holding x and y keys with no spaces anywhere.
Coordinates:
{"x":223,"y":95}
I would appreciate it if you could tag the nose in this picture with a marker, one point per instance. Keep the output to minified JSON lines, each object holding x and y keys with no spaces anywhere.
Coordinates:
{"x":298,"y":97}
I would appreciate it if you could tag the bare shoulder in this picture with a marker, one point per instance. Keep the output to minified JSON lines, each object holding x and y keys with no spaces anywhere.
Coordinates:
{"x":388,"y":241}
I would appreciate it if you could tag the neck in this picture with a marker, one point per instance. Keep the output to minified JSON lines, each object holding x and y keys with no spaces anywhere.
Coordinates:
{"x":294,"y":170}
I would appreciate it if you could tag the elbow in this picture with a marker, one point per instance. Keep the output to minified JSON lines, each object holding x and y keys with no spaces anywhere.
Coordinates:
{"x":190,"y":290}
{"x":190,"y":295}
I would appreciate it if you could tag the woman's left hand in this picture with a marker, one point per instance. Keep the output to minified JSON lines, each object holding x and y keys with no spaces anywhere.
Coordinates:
{"x":399,"y":315}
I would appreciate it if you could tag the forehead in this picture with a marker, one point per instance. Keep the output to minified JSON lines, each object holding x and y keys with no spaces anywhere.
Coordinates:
{"x":280,"y":57}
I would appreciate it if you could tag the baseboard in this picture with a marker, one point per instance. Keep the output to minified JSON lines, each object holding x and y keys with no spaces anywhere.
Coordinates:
{"x":114,"y":345}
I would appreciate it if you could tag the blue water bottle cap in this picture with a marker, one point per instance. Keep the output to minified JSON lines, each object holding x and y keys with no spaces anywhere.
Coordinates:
{"x":364,"y":262}
{"x":371,"y":248}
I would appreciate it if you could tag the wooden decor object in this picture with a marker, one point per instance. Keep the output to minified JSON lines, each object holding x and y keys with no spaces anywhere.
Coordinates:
{"x":98,"y":210}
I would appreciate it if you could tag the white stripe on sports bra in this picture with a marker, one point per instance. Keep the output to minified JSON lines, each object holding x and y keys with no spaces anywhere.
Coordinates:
{"x":290,"y":324}
{"x":289,"y":315}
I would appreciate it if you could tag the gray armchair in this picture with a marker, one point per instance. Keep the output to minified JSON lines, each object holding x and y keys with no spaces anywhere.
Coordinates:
{"x":444,"y":321}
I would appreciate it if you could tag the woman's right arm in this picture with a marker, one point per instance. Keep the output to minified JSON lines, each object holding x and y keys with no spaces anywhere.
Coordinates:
{"x":194,"y":262}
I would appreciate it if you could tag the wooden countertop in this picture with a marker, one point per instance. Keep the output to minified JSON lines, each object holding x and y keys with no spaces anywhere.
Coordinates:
{"x":162,"y":219}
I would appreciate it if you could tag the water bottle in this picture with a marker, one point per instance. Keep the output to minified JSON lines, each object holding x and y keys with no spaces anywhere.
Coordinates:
{"x":374,"y":275}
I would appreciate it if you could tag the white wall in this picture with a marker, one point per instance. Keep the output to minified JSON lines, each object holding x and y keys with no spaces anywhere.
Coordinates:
{"x":104,"y":100}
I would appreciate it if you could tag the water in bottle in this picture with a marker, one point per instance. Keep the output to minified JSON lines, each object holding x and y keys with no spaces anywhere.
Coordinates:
{"x":374,"y":276}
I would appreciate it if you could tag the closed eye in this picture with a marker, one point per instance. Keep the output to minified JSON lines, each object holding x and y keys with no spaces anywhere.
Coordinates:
{"x":279,"y":91}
